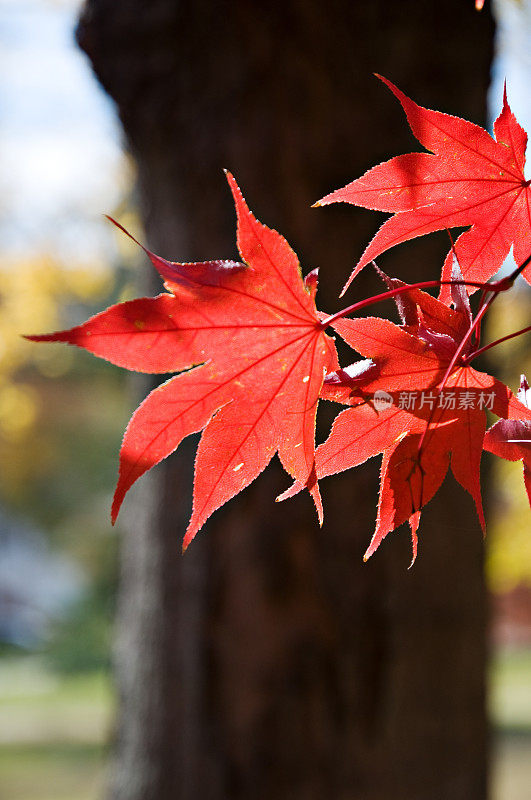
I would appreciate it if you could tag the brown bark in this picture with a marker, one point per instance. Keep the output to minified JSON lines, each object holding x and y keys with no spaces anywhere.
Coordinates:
{"x":270,"y":662}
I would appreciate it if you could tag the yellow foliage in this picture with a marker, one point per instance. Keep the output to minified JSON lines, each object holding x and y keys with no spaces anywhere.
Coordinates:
{"x":509,"y":531}
{"x":18,"y":410}
{"x":32,"y":295}
{"x":509,"y":534}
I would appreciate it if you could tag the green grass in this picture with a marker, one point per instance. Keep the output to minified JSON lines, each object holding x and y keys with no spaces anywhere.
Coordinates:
{"x":510,"y":777}
{"x":41,"y":707}
{"x":52,"y":772}
{"x":510,"y":692}
{"x":53,"y":732}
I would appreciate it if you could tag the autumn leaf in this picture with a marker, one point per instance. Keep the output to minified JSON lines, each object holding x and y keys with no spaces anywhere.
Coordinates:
{"x":421,"y":429}
{"x":467,"y":178}
{"x":414,"y":468}
{"x":254,"y":332}
{"x":450,"y":424}
{"x":252,"y":358}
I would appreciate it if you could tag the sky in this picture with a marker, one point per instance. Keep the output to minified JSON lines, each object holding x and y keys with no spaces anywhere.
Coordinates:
{"x":61,"y":162}
{"x":511,"y":67}
{"x":512,"y":62}
{"x":61,"y":168}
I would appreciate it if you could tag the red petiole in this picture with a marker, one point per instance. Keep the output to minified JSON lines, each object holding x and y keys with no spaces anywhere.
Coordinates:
{"x":377,"y":298}
{"x":496,"y":342}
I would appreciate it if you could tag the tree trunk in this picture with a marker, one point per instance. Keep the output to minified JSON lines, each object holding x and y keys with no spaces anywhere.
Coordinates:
{"x":270,"y":662}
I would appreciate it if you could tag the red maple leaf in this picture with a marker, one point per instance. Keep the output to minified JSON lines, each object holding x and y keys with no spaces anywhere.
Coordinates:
{"x":511,"y":438}
{"x":468,"y":178}
{"x":254,"y":329}
{"x":399,"y":408}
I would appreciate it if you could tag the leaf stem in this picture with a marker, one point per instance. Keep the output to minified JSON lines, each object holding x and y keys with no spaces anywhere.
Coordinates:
{"x":455,"y":358}
{"x":477,"y":319}
{"x":497,"y":341}
{"x":518,"y":271}
{"x":503,"y":285}
{"x":400,"y":290}
{"x":496,"y":287}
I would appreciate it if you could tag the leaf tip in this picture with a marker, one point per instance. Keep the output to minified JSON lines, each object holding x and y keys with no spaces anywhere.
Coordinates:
{"x":124,"y":230}
{"x":313,"y":488}
{"x":232,"y":182}
{"x":115,"y":508}
{"x":242,"y":210}
{"x":414,"y":544}
{"x":58,"y":336}
{"x":345,"y":287}
{"x":311,"y":282}
{"x":385,"y":80}
{"x":188,"y":536}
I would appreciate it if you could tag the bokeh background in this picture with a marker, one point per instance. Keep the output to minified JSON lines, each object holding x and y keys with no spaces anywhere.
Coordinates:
{"x":63,"y":164}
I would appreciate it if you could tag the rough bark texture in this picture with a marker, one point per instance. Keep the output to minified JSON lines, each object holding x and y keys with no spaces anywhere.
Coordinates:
{"x":270,"y":662}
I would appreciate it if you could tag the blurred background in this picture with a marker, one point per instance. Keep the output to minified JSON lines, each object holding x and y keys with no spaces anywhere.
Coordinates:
{"x":64,"y":161}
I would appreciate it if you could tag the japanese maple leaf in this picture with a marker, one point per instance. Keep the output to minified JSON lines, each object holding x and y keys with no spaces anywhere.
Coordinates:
{"x":511,"y":438}
{"x":420,"y":442}
{"x":414,"y":467}
{"x":255,"y":332}
{"x":468,"y":178}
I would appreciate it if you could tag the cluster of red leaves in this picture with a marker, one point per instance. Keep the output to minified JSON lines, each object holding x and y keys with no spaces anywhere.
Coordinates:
{"x":253,"y":357}
{"x":467,"y":178}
